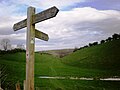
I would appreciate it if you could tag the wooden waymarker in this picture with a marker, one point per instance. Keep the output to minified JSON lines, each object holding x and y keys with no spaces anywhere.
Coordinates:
{"x":41,"y":35}
{"x":44,"y":15}
{"x":30,"y":22}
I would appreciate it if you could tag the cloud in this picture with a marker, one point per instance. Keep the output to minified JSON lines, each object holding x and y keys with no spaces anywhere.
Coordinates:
{"x":76,"y":27}
{"x":48,"y":3}
{"x":81,"y":19}
{"x":81,"y":26}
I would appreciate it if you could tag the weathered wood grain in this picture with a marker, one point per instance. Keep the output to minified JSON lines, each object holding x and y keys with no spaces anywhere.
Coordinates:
{"x":47,"y":14}
{"x":44,"y":15}
{"x":41,"y":35}
{"x":30,"y":47}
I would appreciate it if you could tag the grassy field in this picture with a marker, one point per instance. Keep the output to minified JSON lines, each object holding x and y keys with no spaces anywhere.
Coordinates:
{"x":103,"y":57}
{"x":49,"y":84}
{"x":96,"y":61}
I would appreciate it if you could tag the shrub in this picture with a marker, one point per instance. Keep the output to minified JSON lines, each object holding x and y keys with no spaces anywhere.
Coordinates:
{"x":102,"y":41}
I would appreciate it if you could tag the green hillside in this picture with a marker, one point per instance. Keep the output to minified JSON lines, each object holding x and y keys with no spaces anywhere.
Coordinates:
{"x":96,"y":61}
{"x":104,"y":56}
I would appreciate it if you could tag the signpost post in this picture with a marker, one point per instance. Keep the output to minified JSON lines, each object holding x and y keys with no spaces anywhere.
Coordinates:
{"x":32,"y":33}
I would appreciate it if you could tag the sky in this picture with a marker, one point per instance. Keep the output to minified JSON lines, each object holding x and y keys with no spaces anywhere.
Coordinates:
{"x":78,"y":22}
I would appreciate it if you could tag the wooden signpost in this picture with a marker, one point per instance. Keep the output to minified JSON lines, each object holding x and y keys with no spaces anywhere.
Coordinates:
{"x":32,"y":33}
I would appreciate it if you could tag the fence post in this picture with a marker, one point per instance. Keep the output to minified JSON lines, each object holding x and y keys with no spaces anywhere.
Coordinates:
{"x":24,"y":85}
{"x":17,"y":86}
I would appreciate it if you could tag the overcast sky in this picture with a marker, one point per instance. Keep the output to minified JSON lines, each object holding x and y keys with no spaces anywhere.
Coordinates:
{"x":78,"y":22}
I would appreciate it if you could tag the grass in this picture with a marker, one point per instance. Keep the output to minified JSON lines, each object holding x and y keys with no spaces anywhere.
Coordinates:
{"x":104,"y":57}
{"x":15,"y":68}
{"x":96,"y":61}
{"x":49,"y":84}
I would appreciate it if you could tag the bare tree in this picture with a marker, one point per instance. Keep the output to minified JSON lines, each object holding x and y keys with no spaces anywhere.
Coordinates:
{"x":5,"y":44}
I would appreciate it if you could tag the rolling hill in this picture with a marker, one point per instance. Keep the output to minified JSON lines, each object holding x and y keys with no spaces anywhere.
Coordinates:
{"x":105,"y":56}
{"x":58,"y":52}
{"x":97,"y":61}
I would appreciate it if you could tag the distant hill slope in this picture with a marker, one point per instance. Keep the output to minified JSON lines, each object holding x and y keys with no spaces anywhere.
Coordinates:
{"x":59,"y":52}
{"x":103,"y":56}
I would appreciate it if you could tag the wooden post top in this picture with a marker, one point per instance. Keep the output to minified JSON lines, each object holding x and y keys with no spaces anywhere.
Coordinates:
{"x":44,"y":15}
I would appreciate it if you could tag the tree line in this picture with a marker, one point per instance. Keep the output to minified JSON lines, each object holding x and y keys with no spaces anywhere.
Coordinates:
{"x":6,"y":47}
{"x":115,"y":36}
